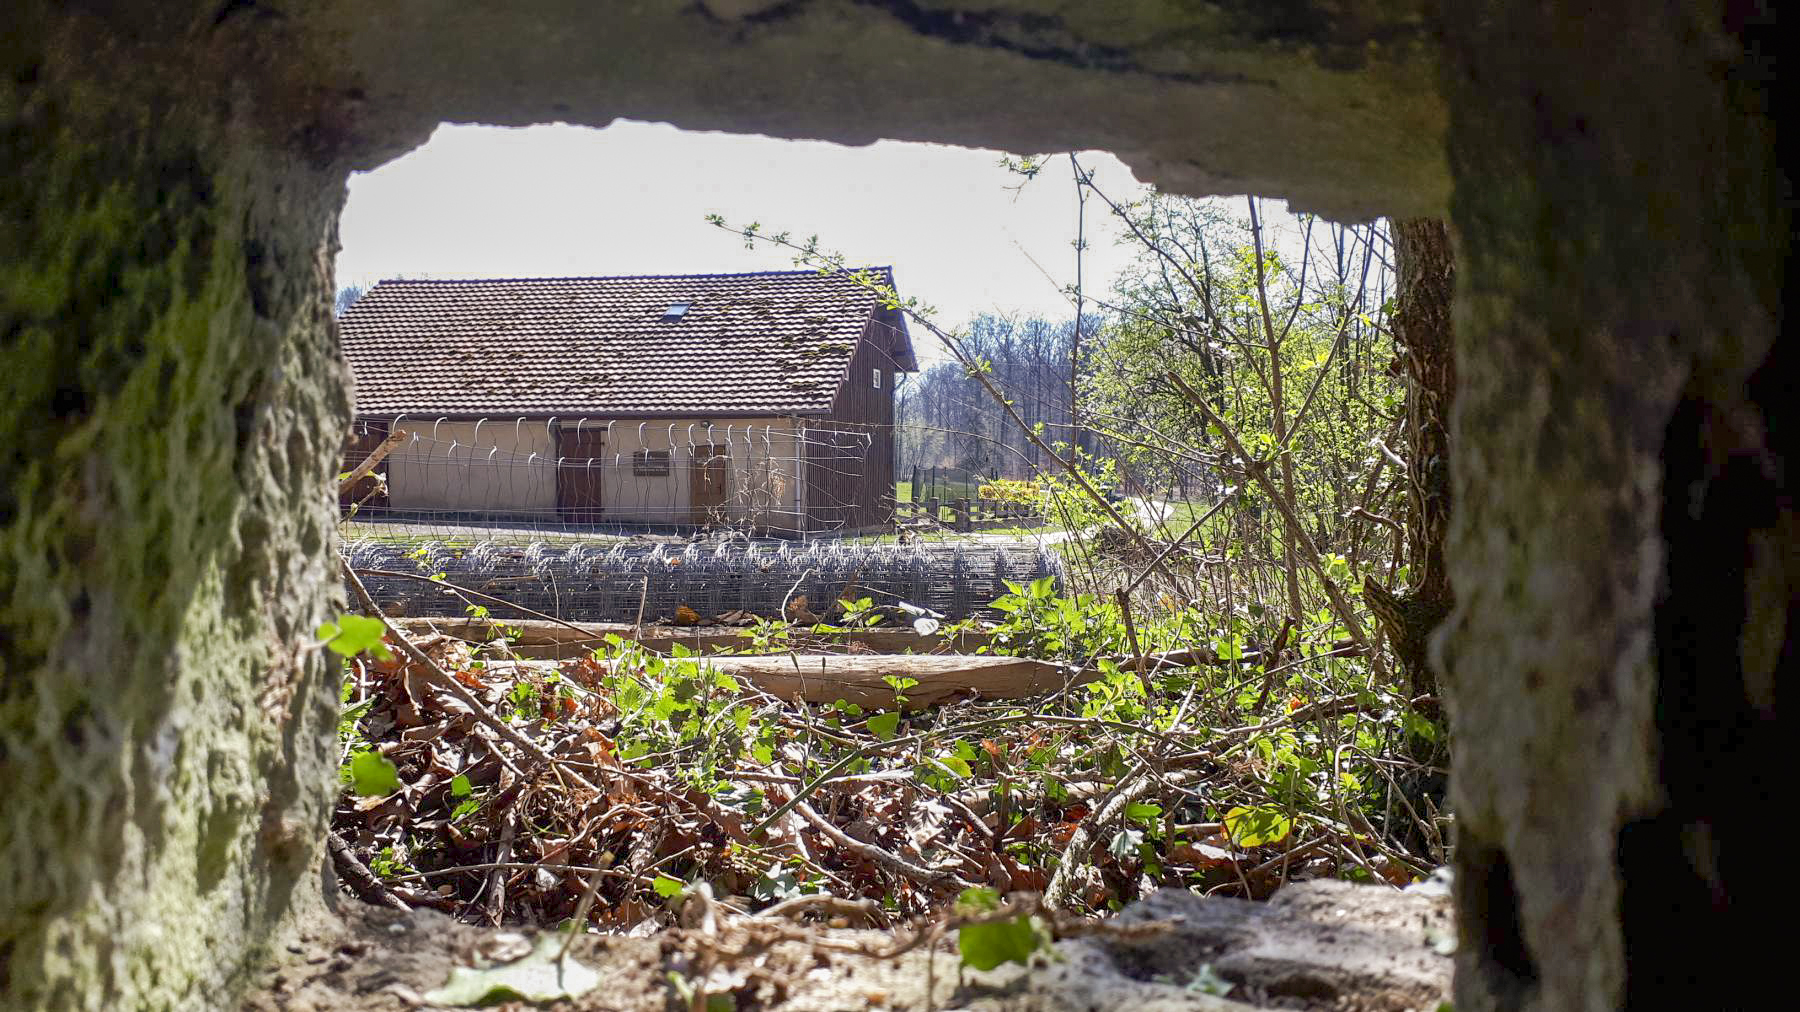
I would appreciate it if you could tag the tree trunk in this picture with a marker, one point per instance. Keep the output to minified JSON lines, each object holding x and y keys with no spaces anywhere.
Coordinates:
{"x":1624,"y":550}
{"x":1426,"y":269}
{"x":172,"y":401}
{"x":1422,"y":327}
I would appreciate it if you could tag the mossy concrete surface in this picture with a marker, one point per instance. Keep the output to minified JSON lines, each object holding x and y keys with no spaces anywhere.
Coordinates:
{"x":171,"y":402}
{"x":1622,"y":228}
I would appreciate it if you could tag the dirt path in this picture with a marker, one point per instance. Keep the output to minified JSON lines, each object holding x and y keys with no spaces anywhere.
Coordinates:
{"x":1317,"y":945}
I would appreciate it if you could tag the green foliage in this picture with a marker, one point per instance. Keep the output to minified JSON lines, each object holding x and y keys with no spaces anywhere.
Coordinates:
{"x":390,"y":862}
{"x":1039,"y":623}
{"x":373,"y":774}
{"x":462,"y":792}
{"x":353,"y":634}
{"x":1067,"y":500}
{"x":883,"y":725}
{"x":678,"y":707}
{"x":350,"y":717}
{"x":987,"y":944}
{"x":1254,"y":827}
{"x":1193,"y":304}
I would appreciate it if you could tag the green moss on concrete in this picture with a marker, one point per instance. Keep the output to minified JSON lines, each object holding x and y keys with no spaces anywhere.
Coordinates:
{"x":163,"y":728}
{"x":1599,"y":276}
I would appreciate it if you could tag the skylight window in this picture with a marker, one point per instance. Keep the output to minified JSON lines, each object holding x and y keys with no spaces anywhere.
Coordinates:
{"x":675,"y":312}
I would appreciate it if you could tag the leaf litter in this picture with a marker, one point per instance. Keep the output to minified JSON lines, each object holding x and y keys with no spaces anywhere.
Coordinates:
{"x":655,"y":780}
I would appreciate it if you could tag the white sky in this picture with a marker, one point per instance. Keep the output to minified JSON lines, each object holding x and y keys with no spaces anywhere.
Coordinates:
{"x":630,"y":199}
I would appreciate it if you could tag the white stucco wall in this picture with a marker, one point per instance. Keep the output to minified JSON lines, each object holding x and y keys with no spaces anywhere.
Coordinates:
{"x":509,"y":467}
{"x":764,"y":485}
{"x":475,"y":467}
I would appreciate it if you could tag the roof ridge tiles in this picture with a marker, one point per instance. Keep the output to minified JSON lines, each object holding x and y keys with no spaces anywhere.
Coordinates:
{"x":627,"y":277}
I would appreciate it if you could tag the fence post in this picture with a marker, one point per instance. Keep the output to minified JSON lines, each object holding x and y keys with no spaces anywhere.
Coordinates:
{"x":917,"y":492}
{"x":931,"y":510}
{"x":964,"y":515}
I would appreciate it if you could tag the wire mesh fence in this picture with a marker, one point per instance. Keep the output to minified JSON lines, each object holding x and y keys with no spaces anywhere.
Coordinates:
{"x":628,"y":582}
{"x":621,"y":521}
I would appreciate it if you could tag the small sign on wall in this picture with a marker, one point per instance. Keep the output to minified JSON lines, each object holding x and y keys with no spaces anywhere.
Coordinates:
{"x":650,"y":463}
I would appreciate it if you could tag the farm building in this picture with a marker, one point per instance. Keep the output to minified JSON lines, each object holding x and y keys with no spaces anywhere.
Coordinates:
{"x":757,"y":400}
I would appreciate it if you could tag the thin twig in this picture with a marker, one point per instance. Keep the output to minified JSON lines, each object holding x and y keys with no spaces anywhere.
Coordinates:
{"x":1283,"y":506}
{"x":1157,"y":562}
{"x":364,"y":881}
{"x":1056,"y":893}
{"x":475,"y":593}
{"x":454,"y":687}
{"x":369,"y":463}
{"x":794,"y":906}
{"x":881,"y":856}
{"x":851,"y":758}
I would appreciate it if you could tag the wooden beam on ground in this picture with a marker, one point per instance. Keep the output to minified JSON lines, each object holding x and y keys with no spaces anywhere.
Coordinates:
{"x":550,"y":640}
{"x":862,"y":678}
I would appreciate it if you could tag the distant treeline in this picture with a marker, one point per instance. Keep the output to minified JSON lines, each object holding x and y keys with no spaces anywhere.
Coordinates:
{"x":947,"y":420}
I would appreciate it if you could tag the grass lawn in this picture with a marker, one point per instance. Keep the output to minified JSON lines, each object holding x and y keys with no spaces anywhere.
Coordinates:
{"x":405,"y":535}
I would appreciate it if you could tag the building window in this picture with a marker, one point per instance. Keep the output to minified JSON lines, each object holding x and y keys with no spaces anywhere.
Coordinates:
{"x":877,"y":383}
{"x":650,"y":463}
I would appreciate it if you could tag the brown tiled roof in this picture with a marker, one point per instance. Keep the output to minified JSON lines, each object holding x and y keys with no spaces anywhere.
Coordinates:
{"x":775,"y":343}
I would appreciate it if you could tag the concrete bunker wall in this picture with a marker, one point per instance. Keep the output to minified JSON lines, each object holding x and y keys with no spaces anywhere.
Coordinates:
{"x":174,"y":400}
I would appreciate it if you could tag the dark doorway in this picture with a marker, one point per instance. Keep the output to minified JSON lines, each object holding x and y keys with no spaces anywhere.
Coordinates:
{"x":579,"y":472}
{"x":711,"y":483}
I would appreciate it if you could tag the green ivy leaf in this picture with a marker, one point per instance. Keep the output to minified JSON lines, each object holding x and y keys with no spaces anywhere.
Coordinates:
{"x":352,"y":634}
{"x":1419,"y":725}
{"x":772,"y":888}
{"x":1139,"y":811}
{"x":1125,"y":843}
{"x":883,"y":725}
{"x":460,"y":786}
{"x":957,"y":765}
{"x":668,"y":887}
{"x":1253,"y":827}
{"x":373,"y":774}
{"x":985,"y":946}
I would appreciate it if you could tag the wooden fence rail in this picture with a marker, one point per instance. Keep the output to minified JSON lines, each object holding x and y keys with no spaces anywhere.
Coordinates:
{"x":965,"y":515}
